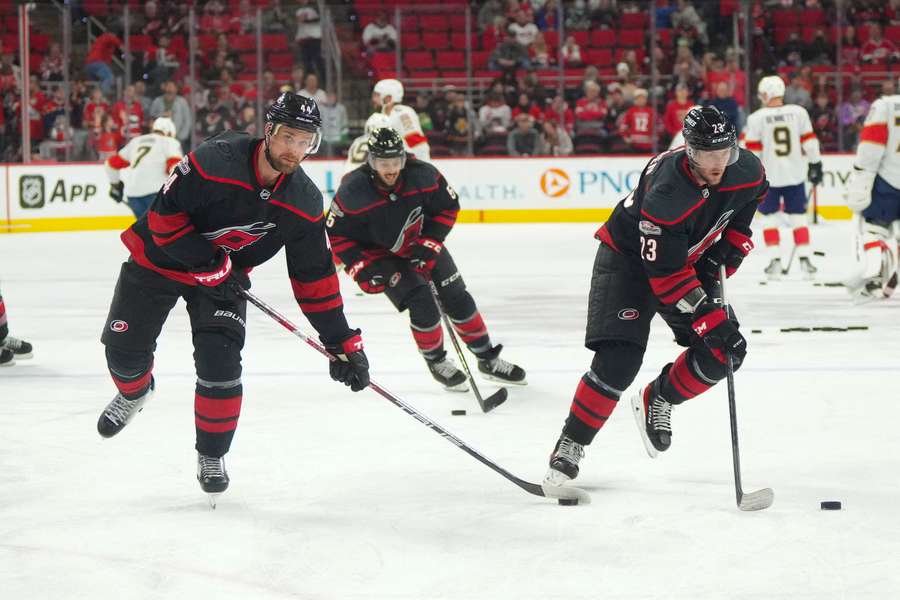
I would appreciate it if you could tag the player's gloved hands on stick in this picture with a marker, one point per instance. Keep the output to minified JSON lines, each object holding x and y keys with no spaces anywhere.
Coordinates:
{"x":220,"y":281}
{"x":814,"y":173}
{"x":368,"y":276}
{"x":117,"y":191}
{"x":729,"y":251}
{"x":424,"y":254}
{"x":351,"y":367}
{"x":718,"y":332}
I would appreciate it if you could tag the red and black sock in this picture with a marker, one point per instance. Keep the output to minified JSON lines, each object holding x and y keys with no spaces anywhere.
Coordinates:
{"x":132,"y":385}
{"x":682,"y":380}
{"x":217,"y":407}
{"x":429,"y":339}
{"x":473,"y":332}
{"x":592,"y":405}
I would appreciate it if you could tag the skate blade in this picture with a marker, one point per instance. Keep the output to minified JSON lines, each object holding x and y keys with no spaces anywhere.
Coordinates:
{"x":459,"y":388}
{"x":213,"y":498}
{"x":501,"y":380}
{"x":565,"y":492}
{"x":25,"y":356}
{"x":555,"y":478}
{"x":637,"y":409}
{"x":9,"y":363}
{"x":758,"y":500}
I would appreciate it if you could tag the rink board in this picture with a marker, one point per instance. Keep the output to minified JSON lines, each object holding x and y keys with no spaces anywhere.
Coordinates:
{"x":75,"y":197}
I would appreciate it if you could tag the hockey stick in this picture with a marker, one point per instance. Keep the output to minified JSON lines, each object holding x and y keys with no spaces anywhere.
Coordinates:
{"x":759,"y":499}
{"x":815,"y":204}
{"x":557,"y":492}
{"x":494,"y":400}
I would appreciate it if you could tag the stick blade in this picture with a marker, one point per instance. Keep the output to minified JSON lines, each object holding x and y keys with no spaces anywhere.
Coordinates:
{"x":495,"y":399}
{"x":758,"y":500}
{"x":566,"y":492}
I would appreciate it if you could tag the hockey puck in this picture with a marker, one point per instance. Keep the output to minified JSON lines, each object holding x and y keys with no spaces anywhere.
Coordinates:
{"x":458,"y":413}
{"x":568,"y":501}
{"x":818,"y":253}
{"x":830,"y":505}
{"x":763,"y":283}
{"x":756,"y":331}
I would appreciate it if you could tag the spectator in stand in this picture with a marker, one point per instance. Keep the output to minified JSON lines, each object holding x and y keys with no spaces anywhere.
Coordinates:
{"x":171,"y":104}
{"x":818,"y":51}
{"x":524,"y":29}
{"x":274,"y":18}
{"x":664,"y":10}
{"x":683,"y":54}
{"x":488,"y":13}
{"x":214,"y":119}
{"x":461,"y":124}
{"x":59,"y":137}
{"x":824,"y":122}
{"x":525,"y":104}
{"x":545,"y":16}
{"x":591,"y":111}
{"x":151,"y":24}
{"x":335,"y":129}
{"x":95,"y":109}
{"x":636,"y":127}
{"x":625,"y":79}
{"x":108,"y":140}
{"x":615,"y":112}
{"x":437,"y":108}
{"x":246,"y":120}
{"x":791,"y":51}
{"x":380,"y":35}
{"x":604,"y":14}
{"x":571,"y":53}
{"x":878,"y":51}
{"x":540,"y":54}
{"x":215,"y":19}
{"x":495,"y":116}
{"x":178,"y":19}
{"x":850,"y":50}
{"x":864,"y":11}
{"x":494,"y":35}
{"x":309,"y":36}
{"x":558,"y":110}
{"x":556,"y":140}
{"x":53,"y":106}
{"x":523,"y":140}
{"x":851,"y":115}
{"x":128,"y":114}
{"x":726,"y":102}
{"x":630,"y":59}
{"x":140,"y":95}
{"x":509,"y":56}
{"x":682,"y":76}
{"x":514,"y":6}
{"x":246,"y":17}
{"x":737,"y":78}
{"x":888,"y":88}
{"x":892,"y":12}
{"x":577,"y":17}
{"x":689,"y":26}
{"x":421,"y":107}
{"x":530,"y":84}
{"x":298,"y":79}
{"x":52,"y":64}
{"x":797,"y":93}
{"x":99,"y":59}
{"x":312,"y":90}
{"x":164,"y":63}
{"x":673,"y":120}
{"x":271,"y":87}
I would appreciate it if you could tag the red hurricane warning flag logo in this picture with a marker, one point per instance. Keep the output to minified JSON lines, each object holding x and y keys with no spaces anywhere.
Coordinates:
{"x":118,"y":326}
{"x":555,"y":182}
{"x":238,"y":237}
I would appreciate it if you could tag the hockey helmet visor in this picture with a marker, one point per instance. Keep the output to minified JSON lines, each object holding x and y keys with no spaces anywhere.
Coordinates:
{"x":297,"y":112}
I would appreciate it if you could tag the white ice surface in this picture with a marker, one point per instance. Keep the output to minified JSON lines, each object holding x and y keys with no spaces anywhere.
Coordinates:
{"x":343,"y":496}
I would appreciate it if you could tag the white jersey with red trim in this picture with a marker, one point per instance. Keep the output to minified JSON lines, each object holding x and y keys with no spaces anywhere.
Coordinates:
{"x":879,"y":142}
{"x":405,"y":121}
{"x":144,"y":163}
{"x":783,"y":138}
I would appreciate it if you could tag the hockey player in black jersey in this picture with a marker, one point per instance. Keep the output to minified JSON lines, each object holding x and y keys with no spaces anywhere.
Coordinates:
{"x":660,"y":253}
{"x":387,"y":224}
{"x":229,"y":206}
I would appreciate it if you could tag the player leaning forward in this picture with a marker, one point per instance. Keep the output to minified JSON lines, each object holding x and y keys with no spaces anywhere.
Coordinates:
{"x":660,"y":252}
{"x":387,"y":224}
{"x":230,"y":205}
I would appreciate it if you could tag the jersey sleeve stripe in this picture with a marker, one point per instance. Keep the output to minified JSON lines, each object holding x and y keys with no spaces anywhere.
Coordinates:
{"x":876,"y":133}
{"x":414,"y":139}
{"x":208,"y":177}
{"x":679,"y":219}
{"x":753,"y":145}
{"x":171,"y":162}
{"x":420,"y":191}
{"x":666,"y":284}
{"x":117,"y":162}
{"x":741,"y":186}
{"x":362,"y":210}
{"x":166,"y":240}
{"x":295,"y":210}
{"x":316,"y":307}
{"x":166,"y":224}
{"x":807,"y":136}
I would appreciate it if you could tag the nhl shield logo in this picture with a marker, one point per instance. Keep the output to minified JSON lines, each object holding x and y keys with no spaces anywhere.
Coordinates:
{"x":31,"y":191}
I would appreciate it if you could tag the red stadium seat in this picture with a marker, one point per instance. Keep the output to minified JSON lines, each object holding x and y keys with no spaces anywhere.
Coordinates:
{"x":665,"y":38}
{"x":458,"y":23}
{"x":480,"y":59}
{"x":631,"y":38}
{"x":140,"y":43}
{"x":599,"y":57}
{"x":812,"y":16}
{"x":581,"y":37}
{"x":383,"y":60}
{"x":242,"y":42}
{"x":280,"y":60}
{"x":620,"y":55}
{"x":458,"y":40}
{"x":453,"y":60}
{"x":418,"y":61}
{"x":603,"y":38}
{"x":410,"y":40}
{"x":785,"y":17}
{"x":435,"y":40}
{"x":408,"y":22}
{"x":275,"y":41}
{"x":633,"y":20}
{"x":434,"y":22}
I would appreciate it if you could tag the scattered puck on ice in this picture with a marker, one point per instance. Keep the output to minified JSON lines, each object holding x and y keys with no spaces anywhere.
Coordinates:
{"x":858,"y":328}
{"x":825,"y":505}
{"x":763,"y":283}
{"x":572,"y":501}
{"x":458,"y":413}
{"x":756,"y":331}
{"x":818,"y":253}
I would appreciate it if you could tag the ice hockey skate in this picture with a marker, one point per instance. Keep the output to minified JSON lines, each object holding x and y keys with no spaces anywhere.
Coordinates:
{"x":445,"y":372}
{"x":7,"y":358}
{"x":774,"y":270}
{"x":807,"y":268}
{"x":564,"y":461}
{"x":496,"y":369}
{"x":653,"y":416}
{"x":121,"y":411}
{"x":212,"y":476}
{"x":21,"y":349}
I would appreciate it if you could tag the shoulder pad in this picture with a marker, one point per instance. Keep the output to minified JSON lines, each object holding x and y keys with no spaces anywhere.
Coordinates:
{"x":356,"y":193}
{"x":225,"y":156}
{"x":301,"y":196}
{"x":669,"y":196}
{"x":747,"y":172}
{"x":419,"y":175}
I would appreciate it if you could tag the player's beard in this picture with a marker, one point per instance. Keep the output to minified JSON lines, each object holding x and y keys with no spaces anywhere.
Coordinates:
{"x":285,"y":165}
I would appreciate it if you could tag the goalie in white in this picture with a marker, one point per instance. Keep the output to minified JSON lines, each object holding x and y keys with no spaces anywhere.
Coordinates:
{"x":401,"y":118}
{"x":142,"y":166}
{"x":873,"y":192}
{"x":782,"y":136}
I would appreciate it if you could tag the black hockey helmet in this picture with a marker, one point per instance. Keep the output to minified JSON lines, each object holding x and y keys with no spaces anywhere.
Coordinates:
{"x":385,"y":142}
{"x":707,"y":129}
{"x":298,"y":112}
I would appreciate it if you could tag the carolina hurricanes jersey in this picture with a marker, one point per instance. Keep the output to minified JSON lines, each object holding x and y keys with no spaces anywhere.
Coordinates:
{"x":783,"y":137}
{"x":670,"y":218}
{"x":357,"y":154}
{"x":367,"y":222}
{"x":145,"y":162}
{"x":879,"y":141}
{"x":214,"y":199}
{"x":405,"y":121}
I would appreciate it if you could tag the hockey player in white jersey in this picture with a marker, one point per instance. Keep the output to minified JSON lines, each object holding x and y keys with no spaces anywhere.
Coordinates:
{"x":402,"y":118}
{"x":781,"y":135}
{"x":143,"y":165}
{"x":873,"y":192}
{"x":359,"y":149}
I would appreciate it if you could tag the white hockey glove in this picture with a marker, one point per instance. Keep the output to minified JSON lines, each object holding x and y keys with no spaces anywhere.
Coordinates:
{"x":859,"y":189}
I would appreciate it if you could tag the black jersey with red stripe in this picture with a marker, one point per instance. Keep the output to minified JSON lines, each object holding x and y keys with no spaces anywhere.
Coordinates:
{"x":670,"y":218}
{"x":214,"y":199}
{"x":367,"y":221}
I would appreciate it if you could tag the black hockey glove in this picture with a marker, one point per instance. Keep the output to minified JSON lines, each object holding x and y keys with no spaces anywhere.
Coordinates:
{"x":351,"y":367}
{"x":814,"y":173}
{"x":220,"y":281}
{"x":368,"y":276}
{"x":424,"y":254}
{"x":117,"y":191}
{"x":718,"y":332}
{"x":729,"y":251}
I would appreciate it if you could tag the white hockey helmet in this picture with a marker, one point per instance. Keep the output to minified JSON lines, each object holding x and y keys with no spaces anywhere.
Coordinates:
{"x":389,"y":87}
{"x":770,"y":87}
{"x":164,"y":125}
{"x":374,"y":122}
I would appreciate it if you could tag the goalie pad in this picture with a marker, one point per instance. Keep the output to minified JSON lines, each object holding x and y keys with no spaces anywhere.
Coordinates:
{"x":859,"y":189}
